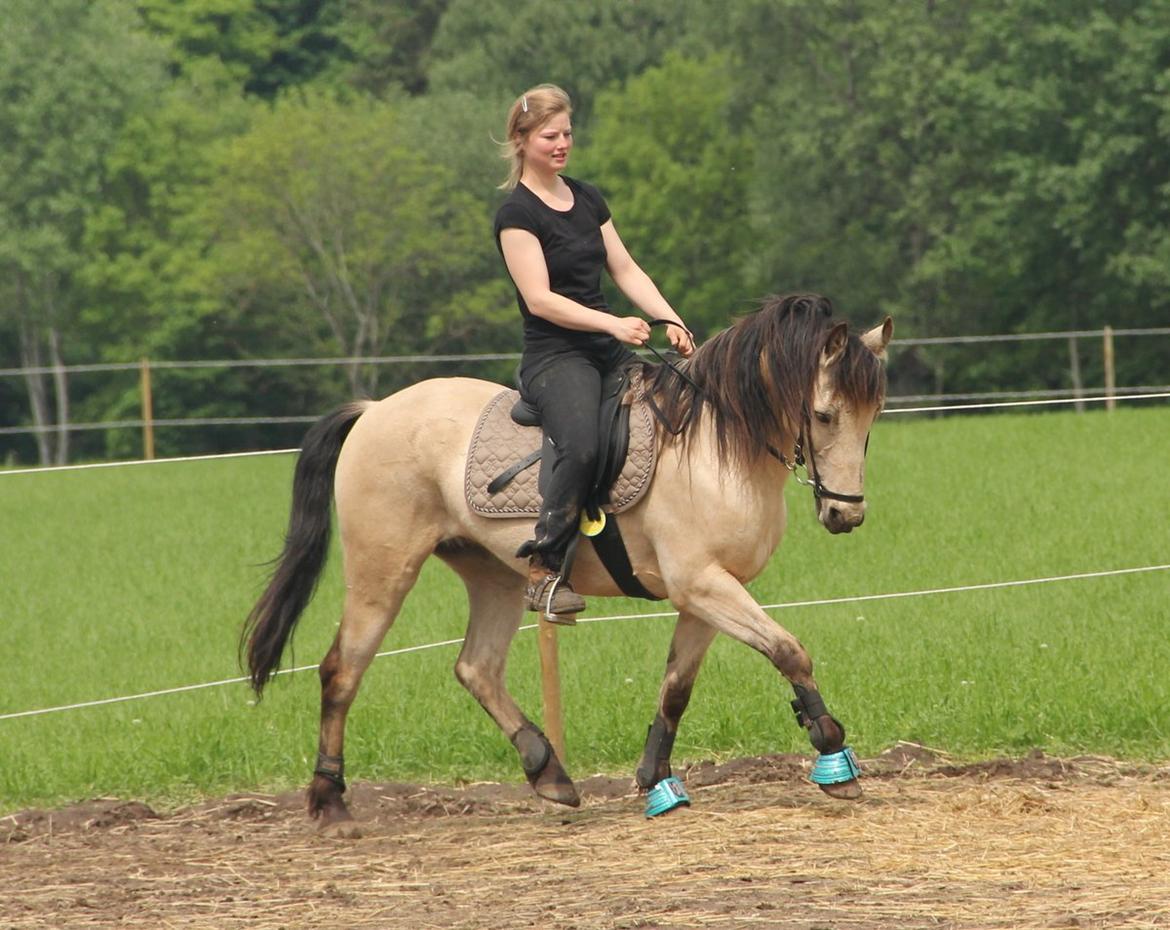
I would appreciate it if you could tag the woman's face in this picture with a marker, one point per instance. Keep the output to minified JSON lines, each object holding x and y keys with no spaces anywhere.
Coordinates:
{"x":546,"y":150}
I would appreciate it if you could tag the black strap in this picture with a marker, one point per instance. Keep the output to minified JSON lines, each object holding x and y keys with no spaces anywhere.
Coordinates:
{"x":332,"y":768}
{"x":500,"y":481}
{"x":611,"y":549}
{"x":665,"y":361}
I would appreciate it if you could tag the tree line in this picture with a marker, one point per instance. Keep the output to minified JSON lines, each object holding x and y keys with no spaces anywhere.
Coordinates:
{"x":245,"y":179}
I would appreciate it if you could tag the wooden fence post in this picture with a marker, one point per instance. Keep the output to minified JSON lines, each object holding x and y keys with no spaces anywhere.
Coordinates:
{"x":1110,"y":371}
{"x":147,"y":412}
{"x":1074,"y":363}
{"x":550,"y":684}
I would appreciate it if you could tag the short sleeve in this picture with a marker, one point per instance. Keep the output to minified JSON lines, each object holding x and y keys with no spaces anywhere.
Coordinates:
{"x":600,"y":207}
{"x":513,"y":215}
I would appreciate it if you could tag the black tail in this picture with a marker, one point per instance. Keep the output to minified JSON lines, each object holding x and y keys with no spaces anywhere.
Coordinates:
{"x":306,"y":545}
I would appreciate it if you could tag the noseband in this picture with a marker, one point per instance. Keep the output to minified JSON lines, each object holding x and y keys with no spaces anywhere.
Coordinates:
{"x":804,"y":441}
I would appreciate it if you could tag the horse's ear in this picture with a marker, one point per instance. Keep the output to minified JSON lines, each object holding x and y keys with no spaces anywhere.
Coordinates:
{"x":878,"y":338}
{"x":835,"y":344}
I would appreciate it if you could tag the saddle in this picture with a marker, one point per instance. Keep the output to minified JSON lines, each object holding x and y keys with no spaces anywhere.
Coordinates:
{"x":500,"y":481}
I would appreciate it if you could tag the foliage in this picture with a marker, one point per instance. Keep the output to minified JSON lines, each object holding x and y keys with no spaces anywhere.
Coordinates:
{"x":389,"y":42}
{"x":330,"y":211}
{"x":72,"y":73}
{"x":675,"y":170}
{"x":261,"y":46}
{"x":969,"y":167}
{"x":499,"y":48}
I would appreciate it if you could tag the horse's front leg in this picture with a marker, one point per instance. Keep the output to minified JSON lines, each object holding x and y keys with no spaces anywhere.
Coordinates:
{"x":691,"y":639}
{"x":718,"y":598}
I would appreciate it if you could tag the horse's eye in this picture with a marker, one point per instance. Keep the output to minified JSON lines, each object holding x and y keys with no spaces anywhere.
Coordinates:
{"x":824,"y":417}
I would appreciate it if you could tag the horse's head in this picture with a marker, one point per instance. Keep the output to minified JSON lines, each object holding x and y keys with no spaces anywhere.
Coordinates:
{"x":847,"y":396}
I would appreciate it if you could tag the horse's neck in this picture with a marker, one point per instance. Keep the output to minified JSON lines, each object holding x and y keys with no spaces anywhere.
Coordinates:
{"x":765,"y":476}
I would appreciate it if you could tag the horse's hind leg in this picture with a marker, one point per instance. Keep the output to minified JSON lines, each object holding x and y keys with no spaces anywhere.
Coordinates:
{"x":370,"y":609}
{"x":692,"y":637}
{"x":495,"y":595}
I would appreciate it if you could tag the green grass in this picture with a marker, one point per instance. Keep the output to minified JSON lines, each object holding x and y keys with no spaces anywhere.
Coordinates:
{"x":124,"y":580}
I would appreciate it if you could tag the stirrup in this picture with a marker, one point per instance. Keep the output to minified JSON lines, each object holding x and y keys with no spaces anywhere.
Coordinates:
{"x":541,"y":595}
{"x":835,"y":768}
{"x":666,"y":796}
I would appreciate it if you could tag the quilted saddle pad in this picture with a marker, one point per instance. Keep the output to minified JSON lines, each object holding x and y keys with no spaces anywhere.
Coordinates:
{"x":499,"y":442}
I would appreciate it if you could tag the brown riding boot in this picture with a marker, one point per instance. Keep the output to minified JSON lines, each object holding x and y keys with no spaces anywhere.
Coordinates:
{"x":550,"y":594}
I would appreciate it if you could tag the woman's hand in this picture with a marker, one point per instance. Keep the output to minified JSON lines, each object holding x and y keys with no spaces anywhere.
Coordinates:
{"x":682,"y":340}
{"x":632,"y":330}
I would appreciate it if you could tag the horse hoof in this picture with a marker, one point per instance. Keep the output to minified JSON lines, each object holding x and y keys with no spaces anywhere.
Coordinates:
{"x":341,"y":830}
{"x":553,"y":784}
{"x":666,"y":796}
{"x":562,"y":792}
{"x":843,"y":790}
{"x":336,"y":821}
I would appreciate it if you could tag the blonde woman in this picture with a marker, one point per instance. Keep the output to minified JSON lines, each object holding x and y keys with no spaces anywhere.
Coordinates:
{"x":556,"y":234}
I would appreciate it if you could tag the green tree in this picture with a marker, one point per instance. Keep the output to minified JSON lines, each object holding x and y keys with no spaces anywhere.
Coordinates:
{"x":497,"y":48}
{"x":72,"y":72}
{"x":388,"y":42}
{"x":216,"y":41}
{"x":968,"y":167}
{"x":330,"y":209}
{"x":262,"y":47}
{"x":148,"y":290}
{"x":676,"y":171}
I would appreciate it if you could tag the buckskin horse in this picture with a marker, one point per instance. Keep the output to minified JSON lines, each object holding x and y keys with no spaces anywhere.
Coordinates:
{"x":786,"y":384}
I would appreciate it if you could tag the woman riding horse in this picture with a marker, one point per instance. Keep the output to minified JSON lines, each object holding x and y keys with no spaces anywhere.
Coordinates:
{"x":556,"y":234}
{"x":783,"y":385}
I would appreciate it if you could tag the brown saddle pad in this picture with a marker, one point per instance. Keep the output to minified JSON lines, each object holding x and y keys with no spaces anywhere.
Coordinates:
{"x":498,"y":442}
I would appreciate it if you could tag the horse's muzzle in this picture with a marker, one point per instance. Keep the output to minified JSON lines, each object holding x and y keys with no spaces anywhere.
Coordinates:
{"x":840,"y":518}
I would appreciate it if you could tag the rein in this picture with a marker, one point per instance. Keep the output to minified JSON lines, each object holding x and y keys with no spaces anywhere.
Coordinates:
{"x":661,"y":417}
{"x":667,"y":362}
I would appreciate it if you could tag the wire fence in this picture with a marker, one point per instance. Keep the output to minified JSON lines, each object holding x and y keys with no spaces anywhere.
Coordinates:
{"x":1033,"y":399}
{"x":341,"y":361}
{"x":821,"y":602}
{"x":919,"y":403}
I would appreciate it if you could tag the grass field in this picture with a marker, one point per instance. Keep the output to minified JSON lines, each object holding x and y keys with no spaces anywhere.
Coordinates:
{"x":126,"y":580}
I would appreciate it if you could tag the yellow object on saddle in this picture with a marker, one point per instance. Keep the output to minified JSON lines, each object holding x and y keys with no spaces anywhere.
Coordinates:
{"x":592,"y":527}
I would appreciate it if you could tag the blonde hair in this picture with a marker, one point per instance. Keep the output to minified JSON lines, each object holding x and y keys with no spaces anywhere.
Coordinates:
{"x":531,"y":110}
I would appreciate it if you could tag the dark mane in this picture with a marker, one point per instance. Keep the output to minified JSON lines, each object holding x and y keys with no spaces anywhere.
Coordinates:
{"x":755,"y":377}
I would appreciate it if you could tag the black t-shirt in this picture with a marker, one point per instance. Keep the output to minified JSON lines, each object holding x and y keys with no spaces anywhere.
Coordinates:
{"x":575,"y":255}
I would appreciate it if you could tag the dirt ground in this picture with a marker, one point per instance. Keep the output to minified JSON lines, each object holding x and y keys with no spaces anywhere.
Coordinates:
{"x":1042,"y":842}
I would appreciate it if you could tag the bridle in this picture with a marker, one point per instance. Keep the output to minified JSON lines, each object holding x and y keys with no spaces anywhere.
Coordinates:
{"x":803,"y":442}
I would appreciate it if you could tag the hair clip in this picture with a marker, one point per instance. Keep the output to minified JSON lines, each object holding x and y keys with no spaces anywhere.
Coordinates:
{"x":524,"y":102}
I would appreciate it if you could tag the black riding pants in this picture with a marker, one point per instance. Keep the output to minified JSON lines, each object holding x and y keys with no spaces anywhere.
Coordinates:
{"x":566,"y":389}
